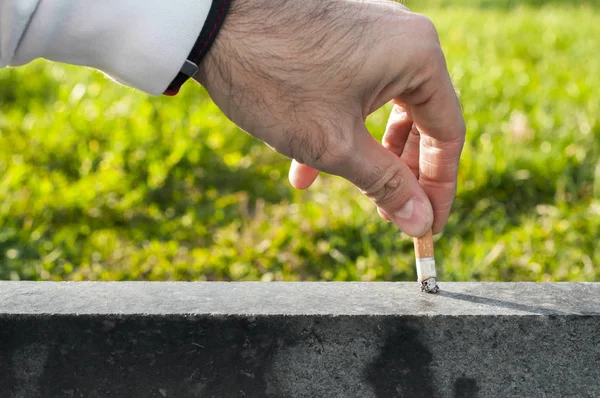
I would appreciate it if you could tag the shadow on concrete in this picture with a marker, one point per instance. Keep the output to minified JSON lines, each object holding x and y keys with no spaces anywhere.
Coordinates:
{"x":466,"y":388}
{"x":403,"y":367}
{"x":506,"y":304}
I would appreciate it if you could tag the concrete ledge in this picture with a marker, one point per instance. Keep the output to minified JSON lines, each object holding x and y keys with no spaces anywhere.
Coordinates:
{"x":299,"y":340}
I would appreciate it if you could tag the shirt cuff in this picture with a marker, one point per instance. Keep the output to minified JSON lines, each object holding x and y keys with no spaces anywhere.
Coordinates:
{"x":140,"y":43}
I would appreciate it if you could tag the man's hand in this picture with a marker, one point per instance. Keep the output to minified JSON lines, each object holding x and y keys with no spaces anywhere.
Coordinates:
{"x":304,"y":75}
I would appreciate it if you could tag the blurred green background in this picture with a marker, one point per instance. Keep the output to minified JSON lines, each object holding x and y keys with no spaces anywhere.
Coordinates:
{"x":98,"y":182}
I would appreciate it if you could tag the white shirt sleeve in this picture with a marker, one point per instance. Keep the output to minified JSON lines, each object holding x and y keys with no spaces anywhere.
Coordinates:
{"x":140,"y":43}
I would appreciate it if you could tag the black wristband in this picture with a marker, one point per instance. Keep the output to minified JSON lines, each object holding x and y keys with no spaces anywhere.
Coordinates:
{"x":214,"y":22}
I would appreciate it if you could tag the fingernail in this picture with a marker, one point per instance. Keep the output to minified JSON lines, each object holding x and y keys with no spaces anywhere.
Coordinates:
{"x":412,"y":218}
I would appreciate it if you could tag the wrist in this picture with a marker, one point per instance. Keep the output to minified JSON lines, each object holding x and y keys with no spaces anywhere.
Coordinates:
{"x":213,"y":24}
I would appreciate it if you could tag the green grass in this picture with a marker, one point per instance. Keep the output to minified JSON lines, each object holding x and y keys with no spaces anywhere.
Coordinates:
{"x":422,"y":5}
{"x":98,"y":182}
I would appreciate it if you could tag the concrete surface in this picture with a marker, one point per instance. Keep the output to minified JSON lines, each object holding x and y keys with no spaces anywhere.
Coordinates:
{"x":367,"y":340}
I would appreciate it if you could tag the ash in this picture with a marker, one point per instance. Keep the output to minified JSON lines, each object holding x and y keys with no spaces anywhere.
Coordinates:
{"x":430,"y":286}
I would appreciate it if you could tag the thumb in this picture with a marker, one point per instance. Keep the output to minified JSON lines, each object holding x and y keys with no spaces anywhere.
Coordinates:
{"x":385,"y":179}
{"x":302,"y":176}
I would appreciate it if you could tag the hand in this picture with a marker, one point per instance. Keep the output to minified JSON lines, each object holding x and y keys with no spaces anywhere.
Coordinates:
{"x":304,"y":75}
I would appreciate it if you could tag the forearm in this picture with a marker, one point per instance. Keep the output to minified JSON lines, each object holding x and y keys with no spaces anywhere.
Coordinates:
{"x":141,"y":43}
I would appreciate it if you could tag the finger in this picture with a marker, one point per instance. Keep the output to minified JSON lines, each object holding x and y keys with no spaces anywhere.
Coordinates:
{"x":441,"y":128}
{"x":397,"y":134}
{"x":412,"y":148}
{"x":397,"y":130}
{"x":402,"y":137}
{"x":383,"y":215}
{"x":302,"y":176}
{"x":388,"y":182}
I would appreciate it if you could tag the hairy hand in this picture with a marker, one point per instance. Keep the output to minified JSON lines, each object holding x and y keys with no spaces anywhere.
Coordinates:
{"x":304,"y":75}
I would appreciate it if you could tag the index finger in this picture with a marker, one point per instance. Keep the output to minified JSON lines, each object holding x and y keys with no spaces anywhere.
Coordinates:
{"x":436,"y":112}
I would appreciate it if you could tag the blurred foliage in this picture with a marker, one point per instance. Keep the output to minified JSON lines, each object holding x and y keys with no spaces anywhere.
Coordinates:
{"x":98,"y":182}
{"x":503,"y":4}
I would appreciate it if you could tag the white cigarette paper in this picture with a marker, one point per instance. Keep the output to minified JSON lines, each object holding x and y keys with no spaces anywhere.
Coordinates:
{"x":426,"y":268}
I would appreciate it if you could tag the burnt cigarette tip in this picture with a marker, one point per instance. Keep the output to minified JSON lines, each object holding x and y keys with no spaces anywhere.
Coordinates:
{"x":430,"y":286}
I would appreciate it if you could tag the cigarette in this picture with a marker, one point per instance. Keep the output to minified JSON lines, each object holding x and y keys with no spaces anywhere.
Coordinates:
{"x":426,"y":275}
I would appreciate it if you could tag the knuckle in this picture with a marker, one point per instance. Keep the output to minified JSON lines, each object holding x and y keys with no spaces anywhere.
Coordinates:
{"x":430,"y":66}
{"x":425,"y":26}
{"x":427,"y":62}
{"x":384,"y":186}
{"x":430,"y":50}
